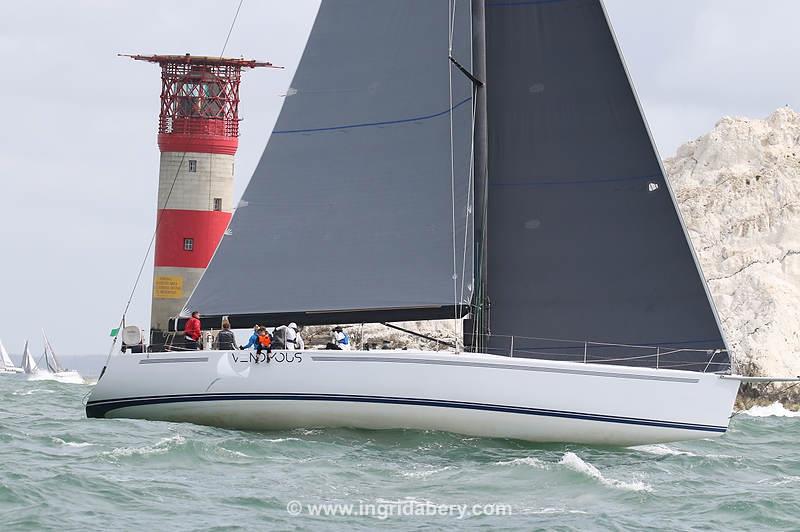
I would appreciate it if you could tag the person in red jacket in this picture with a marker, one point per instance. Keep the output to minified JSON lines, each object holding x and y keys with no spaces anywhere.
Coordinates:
{"x":192,"y":331}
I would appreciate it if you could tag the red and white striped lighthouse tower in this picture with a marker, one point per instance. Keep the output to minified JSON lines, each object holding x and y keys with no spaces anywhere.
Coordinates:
{"x":198,"y":134}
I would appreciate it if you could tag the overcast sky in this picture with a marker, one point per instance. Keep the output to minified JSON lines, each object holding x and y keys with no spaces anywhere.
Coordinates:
{"x":78,"y":154}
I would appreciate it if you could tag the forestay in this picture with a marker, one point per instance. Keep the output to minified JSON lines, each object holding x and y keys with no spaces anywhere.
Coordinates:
{"x":349,"y":214}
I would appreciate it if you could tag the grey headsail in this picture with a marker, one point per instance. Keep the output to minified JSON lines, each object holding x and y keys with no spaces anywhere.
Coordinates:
{"x":583,"y":238}
{"x":349,"y":214}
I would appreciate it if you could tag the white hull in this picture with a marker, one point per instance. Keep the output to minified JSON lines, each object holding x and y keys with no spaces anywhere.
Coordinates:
{"x":11,"y":371}
{"x":473,"y":394}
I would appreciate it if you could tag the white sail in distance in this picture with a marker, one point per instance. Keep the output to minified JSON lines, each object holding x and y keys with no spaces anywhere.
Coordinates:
{"x":5,"y":360}
{"x":28,"y":362}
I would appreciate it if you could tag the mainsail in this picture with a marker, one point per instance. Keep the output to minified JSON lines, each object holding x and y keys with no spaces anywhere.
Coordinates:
{"x":28,"y":362}
{"x":361,"y":208}
{"x":583,"y":238}
{"x":349,"y":215}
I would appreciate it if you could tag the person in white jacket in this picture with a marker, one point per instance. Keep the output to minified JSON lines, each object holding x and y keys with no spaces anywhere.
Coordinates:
{"x":293,"y":338}
{"x":339,"y":339}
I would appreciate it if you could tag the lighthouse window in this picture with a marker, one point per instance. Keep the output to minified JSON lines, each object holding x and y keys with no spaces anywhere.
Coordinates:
{"x":192,"y":165}
{"x":217,"y":204}
{"x":188,"y":244}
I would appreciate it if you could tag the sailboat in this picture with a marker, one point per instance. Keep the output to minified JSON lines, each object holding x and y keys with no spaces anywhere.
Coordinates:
{"x":7,"y":366}
{"x":29,"y":365}
{"x":55,"y":370}
{"x":484,"y":161}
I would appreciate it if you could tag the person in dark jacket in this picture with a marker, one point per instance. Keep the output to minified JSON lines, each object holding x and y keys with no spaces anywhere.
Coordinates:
{"x":226,"y":341}
{"x":193,"y":332}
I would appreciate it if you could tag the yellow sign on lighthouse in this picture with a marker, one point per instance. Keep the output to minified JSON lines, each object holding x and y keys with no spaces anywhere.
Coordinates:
{"x":168,"y":287}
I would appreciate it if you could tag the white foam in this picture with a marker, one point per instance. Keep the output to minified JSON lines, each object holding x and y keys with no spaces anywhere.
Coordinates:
{"x":527,"y":460}
{"x":574,"y":462}
{"x":791,"y":479}
{"x":71,"y":443}
{"x":234,"y":453}
{"x":64,"y":377}
{"x":661,"y":450}
{"x":546,"y":511}
{"x":279,"y":440}
{"x":161,"y":447}
{"x":776,"y":409}
{"x":782,"y":481}
{"x":31,"y":392}
{"x":425,"y":473}
{"x":308,"y":432}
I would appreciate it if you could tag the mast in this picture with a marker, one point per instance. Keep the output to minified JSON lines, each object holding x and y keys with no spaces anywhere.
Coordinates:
{"x":480,"y":305}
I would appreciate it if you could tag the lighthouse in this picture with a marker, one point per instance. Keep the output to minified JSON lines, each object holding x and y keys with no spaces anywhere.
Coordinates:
{"x":198,"y":134}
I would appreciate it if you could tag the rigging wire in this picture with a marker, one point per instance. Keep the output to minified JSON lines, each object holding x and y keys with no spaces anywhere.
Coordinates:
{"x":470,"y":193}
{"x":451,"y":24}
{"x":230,"y":30}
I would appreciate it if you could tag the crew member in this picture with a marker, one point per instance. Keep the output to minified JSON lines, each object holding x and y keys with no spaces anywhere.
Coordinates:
{"x":192,"y":331}
{"x":279,"y":335}
{"x":264,"y":342}
{"x":293,"y":338}
{"x":253,"y":342}
{"x":226,"y":341}
{"x":339,"y":339}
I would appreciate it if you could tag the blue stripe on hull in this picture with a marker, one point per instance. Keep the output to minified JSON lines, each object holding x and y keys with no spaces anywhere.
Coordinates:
{"x":99,"y":409}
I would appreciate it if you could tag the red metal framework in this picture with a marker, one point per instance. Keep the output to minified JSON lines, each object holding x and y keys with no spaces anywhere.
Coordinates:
{"x":199,"y":101}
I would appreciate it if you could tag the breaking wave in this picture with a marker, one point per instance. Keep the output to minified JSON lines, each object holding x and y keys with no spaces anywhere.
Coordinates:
{"x":33,"y":391}
{"x":161,"y":447}
{"x":661,"y":450}
{"x":425,"y":473}
{"x":576,"y":463}
{"x":71,"y":443}
{"x":527,"y":460}
{"x":776,"y":409}
{"x":64,"y":377}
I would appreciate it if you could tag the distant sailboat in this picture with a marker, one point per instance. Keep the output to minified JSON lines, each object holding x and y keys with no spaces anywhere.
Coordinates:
{"x":50,"y":357}
{"x":60,"y":373}
{"x":52,"y":370}
{"x":7,"y":365}
{"x":29,"y":365}
{"x":489,"y":159}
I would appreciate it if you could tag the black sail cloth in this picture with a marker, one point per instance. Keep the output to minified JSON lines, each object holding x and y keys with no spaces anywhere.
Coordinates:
{"x":349,"y":214}
{"x":584,"y":240}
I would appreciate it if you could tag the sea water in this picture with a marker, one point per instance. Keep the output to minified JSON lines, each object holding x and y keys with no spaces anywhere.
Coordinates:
{"x":59,"y":470}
